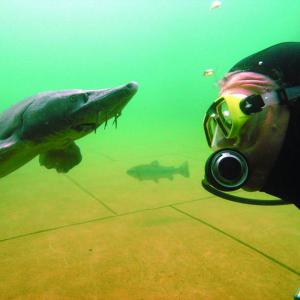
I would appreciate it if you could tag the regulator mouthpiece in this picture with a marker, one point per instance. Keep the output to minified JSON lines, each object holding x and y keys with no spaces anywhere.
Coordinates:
{"x":226,"y":170}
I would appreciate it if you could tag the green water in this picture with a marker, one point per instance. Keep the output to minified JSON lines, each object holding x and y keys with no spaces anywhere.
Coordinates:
{"x":164,"y":45}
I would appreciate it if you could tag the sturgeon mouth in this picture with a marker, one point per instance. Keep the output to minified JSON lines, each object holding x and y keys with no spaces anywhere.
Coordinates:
{"x":93,"y":126}
{"x":85,"y":127}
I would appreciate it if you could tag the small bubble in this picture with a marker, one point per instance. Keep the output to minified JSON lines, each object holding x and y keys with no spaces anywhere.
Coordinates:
{"x":260,"y":62}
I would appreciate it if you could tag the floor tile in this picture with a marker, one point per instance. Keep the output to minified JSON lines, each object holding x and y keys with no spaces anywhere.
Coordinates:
{"x":273,"y":230}
{"x":108,"y":155}
{"x":159,"y":254}
{"x":34,"y":198}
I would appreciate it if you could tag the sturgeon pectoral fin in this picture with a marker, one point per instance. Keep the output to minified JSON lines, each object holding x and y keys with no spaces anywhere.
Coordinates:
{"x":62,"y":160}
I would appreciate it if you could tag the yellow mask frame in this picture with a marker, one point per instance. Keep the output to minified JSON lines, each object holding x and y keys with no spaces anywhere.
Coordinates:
{"x":226,"y":113}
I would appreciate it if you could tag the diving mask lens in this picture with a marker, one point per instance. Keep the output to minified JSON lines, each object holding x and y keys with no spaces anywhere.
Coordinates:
{"x":217,"y":115}
{"x":211,"y":127}
{"x":225,"y":116}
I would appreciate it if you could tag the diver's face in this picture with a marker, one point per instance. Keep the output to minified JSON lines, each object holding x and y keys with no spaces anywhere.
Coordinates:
{"x":260,"y":141}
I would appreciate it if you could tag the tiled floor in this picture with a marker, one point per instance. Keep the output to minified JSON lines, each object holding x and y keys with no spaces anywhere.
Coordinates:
{"x":97,"y":233}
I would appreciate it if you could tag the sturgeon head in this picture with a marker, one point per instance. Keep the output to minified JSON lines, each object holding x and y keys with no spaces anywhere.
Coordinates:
{"x":60,"y":117}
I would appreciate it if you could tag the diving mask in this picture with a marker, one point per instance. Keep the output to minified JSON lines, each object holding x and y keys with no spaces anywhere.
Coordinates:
{"x":231,"y":112}
{"x":226,"y":114}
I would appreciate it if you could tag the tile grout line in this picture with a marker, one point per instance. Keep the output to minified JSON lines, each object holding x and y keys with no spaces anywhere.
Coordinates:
{"x":90,"y":194}
{"x":115,"y":215}
{"x":152,"y":209}
{"x":272,"y":259}
{"x":93,"y":220}
{"x":54,"y":228}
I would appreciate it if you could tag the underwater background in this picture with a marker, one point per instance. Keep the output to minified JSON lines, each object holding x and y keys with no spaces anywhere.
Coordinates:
{"x":98,"y":233}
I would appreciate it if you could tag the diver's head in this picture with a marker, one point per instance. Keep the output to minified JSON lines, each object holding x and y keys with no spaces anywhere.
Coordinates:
{"x":247,"y":83}
{"x":245,"y":133}
{"x":234,"y":88}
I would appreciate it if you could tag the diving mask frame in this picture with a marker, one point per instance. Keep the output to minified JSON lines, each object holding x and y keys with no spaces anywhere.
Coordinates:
{"x":228,"y":169}
{"x":231,"y":112}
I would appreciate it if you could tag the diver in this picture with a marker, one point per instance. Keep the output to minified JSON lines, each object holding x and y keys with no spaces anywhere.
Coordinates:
{"x":253,"y":127}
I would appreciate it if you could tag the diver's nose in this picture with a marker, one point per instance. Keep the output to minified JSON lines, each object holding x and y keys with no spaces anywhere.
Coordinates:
{"x":132,"y":86}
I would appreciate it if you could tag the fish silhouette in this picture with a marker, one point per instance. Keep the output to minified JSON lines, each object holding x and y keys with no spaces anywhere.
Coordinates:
{"x":154,"y":171}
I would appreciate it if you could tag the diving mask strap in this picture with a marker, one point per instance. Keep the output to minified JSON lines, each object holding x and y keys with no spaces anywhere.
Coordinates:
{"x":285,"y":96}
{"x":289,"y":96}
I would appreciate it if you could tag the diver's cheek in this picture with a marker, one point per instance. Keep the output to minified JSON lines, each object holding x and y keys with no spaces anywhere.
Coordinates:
{"x":262,"y":155}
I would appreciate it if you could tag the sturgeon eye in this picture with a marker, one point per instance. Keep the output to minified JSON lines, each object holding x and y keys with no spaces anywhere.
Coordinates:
{"x":73,"y":98}
{"x":85,"y":98}
{"x":80,"y":97}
